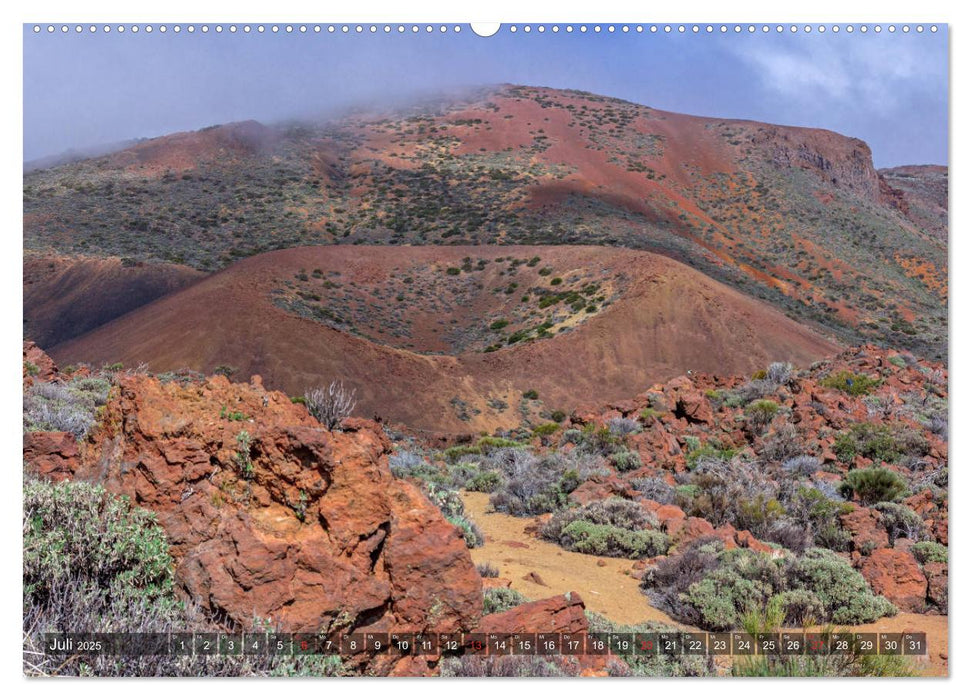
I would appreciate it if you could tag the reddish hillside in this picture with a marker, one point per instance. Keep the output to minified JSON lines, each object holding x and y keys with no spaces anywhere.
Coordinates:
{"x":796,"y":216}
{"x":65,"y":297}
{"x":655,"y":318}
{"x":922,"y":195}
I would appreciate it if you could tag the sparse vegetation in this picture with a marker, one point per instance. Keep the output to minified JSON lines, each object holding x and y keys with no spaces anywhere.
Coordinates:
{"x":873,"y":485}
{"x":849,"y":383}
{"x":71,"y":406}
{"x":332,"y":405}
{"x":715,"y":588}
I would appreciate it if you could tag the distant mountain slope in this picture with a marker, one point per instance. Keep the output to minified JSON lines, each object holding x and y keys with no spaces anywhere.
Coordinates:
{"x":664,"y":319}
{"x":799,"y":217}
{"x":923,"y":195}
{"x":65,"y":297}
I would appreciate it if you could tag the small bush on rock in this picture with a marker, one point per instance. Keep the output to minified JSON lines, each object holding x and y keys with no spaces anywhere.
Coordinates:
{"x":926,"y":552}
{"x":873,"y":485}
{"x":332,"y":405}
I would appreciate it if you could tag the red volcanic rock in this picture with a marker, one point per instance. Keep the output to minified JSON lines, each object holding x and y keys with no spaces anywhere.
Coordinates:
{"x":746,"y":539}
{"x":936,"y":573}
{"x":276,"y":518}
{"x":667,"y":513}
{"x":600,"y":488}
{"x":865,"y":529}
{"x":562,"y":613}
{"x":52,"y":454}
{"x":896,"y":575}
{"x":688,"y":530}
{"x":34,"y":357}
{"x":694,"y":407}
{"x":496,"y":583}
{"x":728,"y":534}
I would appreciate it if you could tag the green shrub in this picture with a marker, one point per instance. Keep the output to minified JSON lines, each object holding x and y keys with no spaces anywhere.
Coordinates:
{"x":900,"y":521}
{"x":722,"y":597}
{"x":531,"y":394}
{"x":626,"y":460}
{"x":707,"y":452}
{"x":572,"y":435}
{"x":546,"y":429}
{"x":648,"y":415}
{"x":70,"y":406}
{"x":614,"y":527}
{"x":609,"y":541}
{"x":842,"y":591}
{"x":242,"y":457}
{"x":810,"y":507}
{"x":485,"y":482}
{"x":800,"y":608}
{"x":533,"y":485}
{"x":470,"y":531}
{"x":873,"y":485}
{"x":762,"y":411}
{"x":558,"y":416}
{"x":449,"y":503}
{"x":76,"y":532}
{"x":880,"y":442}
{"x":495,"y":600}
{"x":849,"y":383}
{"x":926,"y":552}
{"x":719,"y":589}
{"x":456,"y":451}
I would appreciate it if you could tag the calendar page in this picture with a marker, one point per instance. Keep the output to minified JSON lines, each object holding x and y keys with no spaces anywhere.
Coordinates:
{"x":437,"y":349}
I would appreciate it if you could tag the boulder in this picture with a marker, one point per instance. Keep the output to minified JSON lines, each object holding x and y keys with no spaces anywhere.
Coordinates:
{"x":52,"y":454}
{"x":897,"y":576}
{"x":865,"y":529}
{"x":694,"y":407}
{"x":600,"y":488}
{"x":562,"y":613}
{"x":936,"y":573}
{"x":688,"y":530}
{"x":273,"y":517}
{"x":37,"y":364}
{"x":488,"y":583}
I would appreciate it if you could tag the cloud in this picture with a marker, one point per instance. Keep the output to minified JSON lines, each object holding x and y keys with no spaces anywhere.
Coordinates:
{"x":880,"y":72}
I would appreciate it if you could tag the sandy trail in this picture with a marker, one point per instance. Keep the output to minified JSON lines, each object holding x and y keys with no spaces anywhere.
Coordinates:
{"x":607,"y":588}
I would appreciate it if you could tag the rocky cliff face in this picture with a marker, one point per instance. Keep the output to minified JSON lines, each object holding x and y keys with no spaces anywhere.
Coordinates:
{"x":843,"y":162}
{"x":273,"y":519}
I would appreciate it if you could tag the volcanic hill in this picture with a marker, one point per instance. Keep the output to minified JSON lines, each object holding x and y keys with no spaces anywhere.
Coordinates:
{"x":799,"y":217}
{"x":456,"y":338}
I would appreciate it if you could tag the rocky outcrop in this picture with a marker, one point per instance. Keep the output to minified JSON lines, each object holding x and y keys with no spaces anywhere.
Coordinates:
{"x":896,"y":575}
{"x":37,"y":364}
{"x":52,"y":454}
{"x":865,"y":529}
{"x":562,"y":613}
{"x":270,"y":517}
{"x":936,"y":573}
{"x":837,"y":160}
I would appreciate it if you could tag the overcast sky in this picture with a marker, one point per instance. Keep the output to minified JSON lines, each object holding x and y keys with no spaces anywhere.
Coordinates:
{"x":890,"y":90}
